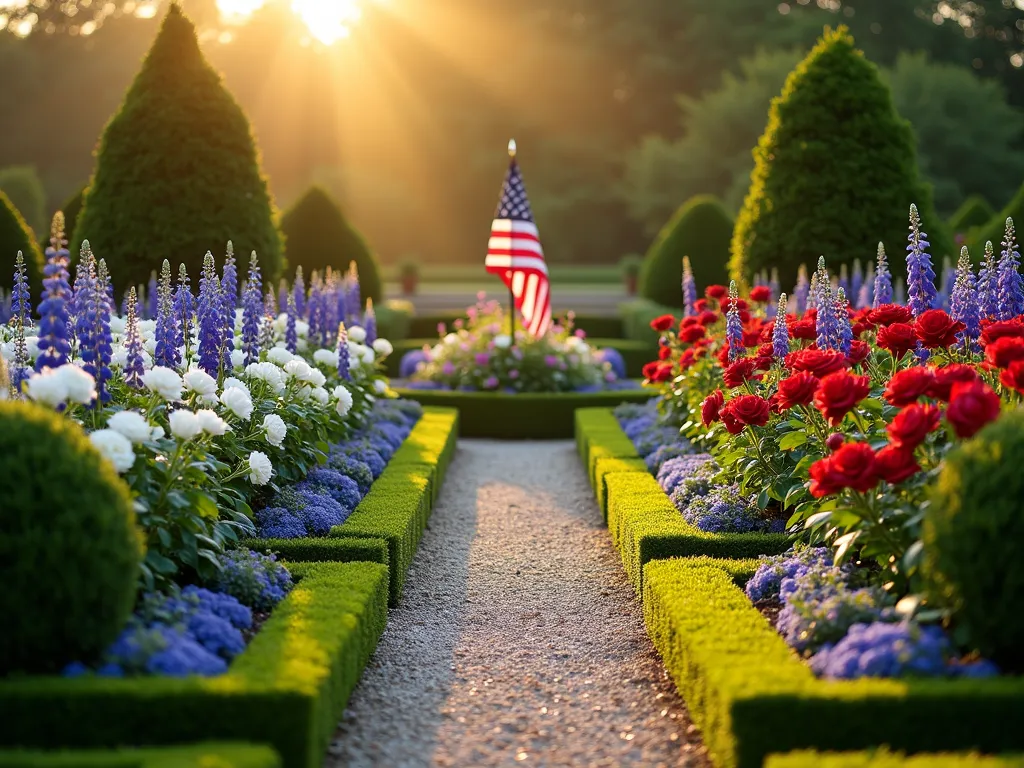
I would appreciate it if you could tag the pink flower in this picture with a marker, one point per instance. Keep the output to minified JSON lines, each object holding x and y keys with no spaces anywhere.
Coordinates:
{"x":442,"y":329}
{"x":513,"y":374}
{"x":580,"y":333}
{"x":483,"y":358}
{"x":448,"y":369}
{"x":550,"y":361}
{"x":490,"y":382}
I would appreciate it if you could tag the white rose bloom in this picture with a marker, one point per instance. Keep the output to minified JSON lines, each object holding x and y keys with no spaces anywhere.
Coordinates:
{"x":158,"y":433}
{"x":366,"y":355}
{"x":185,"y":425}
{"x":118,"y":324}
{"x":383,"y":347}
{"x":503,"y":341}
{"x":281,"y":323}
{"x":132,"y":425}
{"x":115,"y":447}
{"x":260,"y":468}
{"x":211,"y":423}
{"x":7,"y":350}
{"x":303,"y":393}
{"x":237,"y":358}
{"x":451,"y":338}
{"x":147,"y":328}
{"x":80,"y":386}
{"x":317,"y":378}
{"x":267,"y":372}
{"x":344,"y":400}
{"x":357,"y":334}
{"x":200,"y":382}
{"x":320,"y":395}
{"x":380,"y":386}
{"x":279,"y":356}
{"x":47,"y":388}
{"x":301,"y":328}
{"x":299,"y":369}
{"x":232,"y":383}
{"x":32,"y":345}
{"x":164,"y":382}
{"x":275,"y":428}
{"x":326,"y":357}
{"x":118,"y":357}
{"x":238,"y":402}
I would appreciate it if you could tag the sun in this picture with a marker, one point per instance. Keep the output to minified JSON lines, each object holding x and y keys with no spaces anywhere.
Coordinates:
{"x":328,"y":21}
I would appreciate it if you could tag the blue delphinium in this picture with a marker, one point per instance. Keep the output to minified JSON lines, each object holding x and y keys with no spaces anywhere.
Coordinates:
{"x":883,"y":280}
{"x":228,"y":295}
{"x":184,"y":310}
{"x":344,"y":358}
{"x":54,"y":331}
{"x":134,"y":366}
{"x":780,"y":333}
{"x":964,"y":304}
{"x":252,"y":311}
{"x":103,"y":339}
{"x":733,"y":325}
{"x":801,"y":292}
{"x":766,"y":583}
{"x":314,"y":309}
{"x":167,"y":352}
{"x":291,"y":336}
{"x":826,"y":322}
{"x":20,"y":295}
{"x":254,"y":579}
{"x":677,"y":470}
{"x":844,"y":332}
{"x":354,"y":301}
{"x":299,"y":293}
{"x":83,"y":302}
{"x":689,"y":289}
{"x":209,"y":318}
{"x":920,"y":274}
{"x":20,"y":370}
{"x":724,"y":510}
{"x":988,"y":284}
{"x":370,"y":323}
{"x":1011,"y":288}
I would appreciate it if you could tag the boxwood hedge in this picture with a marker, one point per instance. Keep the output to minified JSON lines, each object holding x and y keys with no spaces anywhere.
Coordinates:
{"x":211,"y":755}
{"x":883,"y":758}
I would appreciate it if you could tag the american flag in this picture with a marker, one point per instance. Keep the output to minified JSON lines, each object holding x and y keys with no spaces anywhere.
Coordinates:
{"x":515,"y":255}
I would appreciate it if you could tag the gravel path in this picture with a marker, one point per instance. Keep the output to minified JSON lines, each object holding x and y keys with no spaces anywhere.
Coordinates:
{"x":518,"y":640}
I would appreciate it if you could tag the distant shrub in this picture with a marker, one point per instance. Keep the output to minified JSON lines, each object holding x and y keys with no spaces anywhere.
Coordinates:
{"x":15,"y":235}
{"x":994,"y":228}
{"x":21,"y":183}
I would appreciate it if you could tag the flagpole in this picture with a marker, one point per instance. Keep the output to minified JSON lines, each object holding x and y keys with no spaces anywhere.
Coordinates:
{"x":511,"y":293}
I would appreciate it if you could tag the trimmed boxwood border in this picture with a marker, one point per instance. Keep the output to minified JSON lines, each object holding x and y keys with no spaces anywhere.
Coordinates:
{"x":220,"y":755}
{"x":287,"y":688}
{"x":528,"y":416}
{"x":885,"y":759}
{"x":752,"y":696}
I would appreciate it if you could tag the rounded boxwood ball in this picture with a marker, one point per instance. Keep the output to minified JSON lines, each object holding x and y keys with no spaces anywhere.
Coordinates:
{"x":973,"y":534}
{"x":68,"y":543}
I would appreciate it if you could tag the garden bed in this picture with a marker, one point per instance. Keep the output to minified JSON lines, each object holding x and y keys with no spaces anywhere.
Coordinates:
{"x":210,"y":755}
{"x":287,"y":688}
{"x":752,"y":696}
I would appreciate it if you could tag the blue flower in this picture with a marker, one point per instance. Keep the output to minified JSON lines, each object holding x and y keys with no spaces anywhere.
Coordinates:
{"x":252,"y":311}
{"x":766,"y":582}
{"x":184,"y":308}
{"x":689,"y":289}
{"x":167,"y":333}
{"x":279,"y":523}
{"x":884,"y":649}
{"x":920,"y":274}
{"x":1011,"y":287}
{"x":964,"y":302}
{"x":210,"y":318}
{"x":291,"y":336}
{"x":370,"y":323}
{"x":656,"y":460}
{"x":54,"y":331}
{"x":724,"y":510}
{"x":780,"y":332}
{"x":734,"y":325}
{"x":988,"y":284}
{"x":883,"y":280}
{"x":21,"y":296}
{"x":676,"y":470}
{"x":255,"y":579}
{"x":351,"y":467}
{"x":184,"y":656}
{"x":224,"y":603}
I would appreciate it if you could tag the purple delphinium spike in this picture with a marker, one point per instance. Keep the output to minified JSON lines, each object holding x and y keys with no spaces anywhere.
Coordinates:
{"x":964,"y":305}
{"x":209,"y":318}
{"x":291,"y":337}
{"x":299,"y":293}
{"x":689,"y":289}
{"x":344,"y":363}
{"x":844,"y":334}
{"x":93,"y":325}
{"x":184,"y":311}
{"x":252,"y":311}
{"x":20,"y":370}
{"x":228,"y":304}
{"x":152,"y":296}
{"x":104,"y":339}
{"x":313,"y":307}
{"x":883,"y":280}
{"x":826,"y":322}
{"x":920,"y":274}
{"x":780,"y":333}
{"x":84,"y":303}
{"x":370,"y":323}
{"x":801,"y":291}
{"x":1011,"y":288}
{"x":354,"y":300}
{"x":166,"y":353}
{"x":21,"y":296}
{"x":54,"y":331}
{"x":733,"y":325}
{"x":133,"y":367}
{"x":988,"y":283}
{"x":267,"y":324}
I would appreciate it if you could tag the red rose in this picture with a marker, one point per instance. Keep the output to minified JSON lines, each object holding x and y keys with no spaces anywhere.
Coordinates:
{"x":834,"y":441}
{"x":740,"y":371}
{"x":762,"y":294}
{"x":657,"y":371}
{"x":766,"y":350}
{"x":691,"y":333}
{"x":797,"y":389}
{"x":716,"y":292}
{"x":838,"y":394}
{"x":744,"y":314}
{"x":1013,"y":376}
{"x":898,"y":338}
{"x":936,"y":329}
{"x":820,"y":362}
{"x":701,"y":305}
{"x":707,"y":317}
{"x":1000,"y":329}
{"x":1004,"y":350}
{"x":972,"y":405}
{"x":687,"y":358}
{"x":664,"y":353}
{"x":860,"y":328}
{"x":711,"y":406}
{"x":751,"y":338}
{"x":741,"y":305}
{"x":912,"y":425}
{"x":895,"y":464}
{"x":744,"y":410}
{"x":887,"y":314}
{"x":852,"y":466}
{"x":943,"y":379}
{"x":859,"y":352}
{"x":906,"y":386}
{"x":804,"y":330}
{"x":663,"y":323}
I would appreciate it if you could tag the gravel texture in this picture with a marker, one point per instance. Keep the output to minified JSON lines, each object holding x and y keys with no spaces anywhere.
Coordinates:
{"x":518,"y":640}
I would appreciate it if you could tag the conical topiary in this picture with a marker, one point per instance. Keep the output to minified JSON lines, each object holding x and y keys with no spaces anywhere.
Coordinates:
{"x":700,"y":229}
{"x":973,"y":212}
{"x":15,"y":236}
{"x":835,"y":171}
{"x":177,"y":170}
{"x":319,"y":236}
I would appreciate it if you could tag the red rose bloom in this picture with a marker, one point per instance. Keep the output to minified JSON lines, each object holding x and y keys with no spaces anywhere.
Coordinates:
{"x":852,"y":466}
{"x":820,"y":362}
{"x":803,"y":330}
{"x":797,"y":389}
{"x":657,"y":372}
{"x":663,"y":323}
{"x":834,"y":441}
{"x":740,"y":371}
{"x":716,"y":292}
{"x":751,"y":338}
{"x":711,"y":406}
{"x":687,"y":359}
{"x":707,"y":317}
{"x":765,"y":350}
{"x":701,"y":305}
{"x":1004,"y":351}
{"x":887,"y":314}
{"x":691,"y":333}
{"x":762,"y":294}
{"x":936,"y":329}
{"x":860,"y":328}
{"x":1000,"y":329}
{"x":838,"y":394}
{"x":1013,"y":376}
{"x":664,"y":353}
{"x":898,"y":338}
{"x":859,"y":352}
{"x":744,"y":410}
{"x":912,"y":425}
{"x":906,"y":386}
{"x":943,"y":379}
{"x":972,"y":405}
{"x":895,"y":464}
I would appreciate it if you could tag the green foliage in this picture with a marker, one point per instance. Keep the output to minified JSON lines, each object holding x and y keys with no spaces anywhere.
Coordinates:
{"x":72,"y":209}
{"x":700,"y":229}
{"x":288,"y":689}
{"x":68,"y":542}
{"x":994,"y":228}
{"x":15,"y":236}
{"x":318,"y":236}
{"x":883,"y":758}
{"x":973,"y":531}
{"x":209,"y":755}
{"x":637,"y":315}
{"x":24,"y":188}
{"x":393,"y":319}
{"x":177,"y":170}
{"x":313,"y":549}
{"x":974,"y":212}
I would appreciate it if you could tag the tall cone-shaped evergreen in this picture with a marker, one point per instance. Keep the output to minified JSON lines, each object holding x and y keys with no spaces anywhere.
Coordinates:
{"x":835,"y":171}
{"x":177,"y":170}
{"x":15,"y":235}
{"x":319,"y":236}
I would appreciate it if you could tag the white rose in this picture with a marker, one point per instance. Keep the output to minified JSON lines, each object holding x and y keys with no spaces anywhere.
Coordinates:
{"x":149,"y":346}
{"x":503,"y":341}
{"x":301,"y":328}
{"x":267,"y":372}
{"x":344,"y":400}
{"x":326,"y":357}
{"x":317,"y":378}
{"x":118,"y":324}
{"x":366,"y":355}
{"x":380,"y":386}
{"x":275,"y":428}
{"x":238,"y":402}
{"x":451,"y":338}
{"x":298,"y":369}
{"x":158,"y":432}
{"x":80,"y":386}
{"x":185,"y":425}
{"x":320,"y":395}
{"x":260,"y":468}
{"x":357,"y":334}
{"x":7,"y":350}
{"x":32,"y":345}
{"x":147,"y":328}
{"x":132,"y":425}
{"x":47,"y":388}
{"x":232,"y":383}
{"x":237,"y":358}
{"x":164,"y":382}
{"x":211,"y":423}
{"x":115,"y":447}
{"x":383,"y":347}
{"x":118,"y":357}
{"x":279,"y":356}
{"x":200,"y":382}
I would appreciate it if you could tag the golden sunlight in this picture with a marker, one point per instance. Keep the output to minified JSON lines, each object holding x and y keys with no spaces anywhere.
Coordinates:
{"x":327,"y":20}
